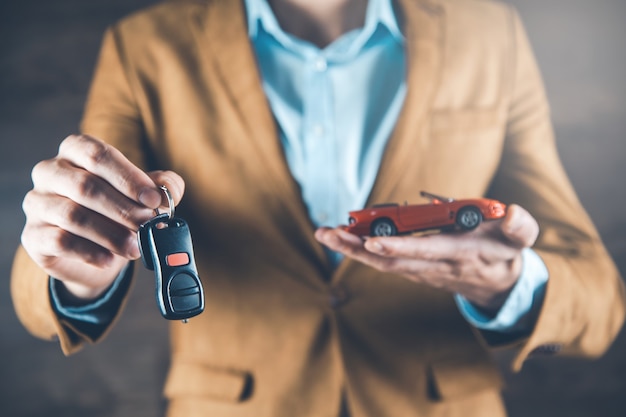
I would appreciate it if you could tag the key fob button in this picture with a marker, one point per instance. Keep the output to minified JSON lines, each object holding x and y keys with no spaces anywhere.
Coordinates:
{"x":184,"y":293}
{"x":186,"y":303}
{"x":177,"y":259}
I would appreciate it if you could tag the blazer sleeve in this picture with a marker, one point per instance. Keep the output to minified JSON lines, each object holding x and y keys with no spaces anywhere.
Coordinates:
{"x":110,"y":115}
{"x":584,"y":304}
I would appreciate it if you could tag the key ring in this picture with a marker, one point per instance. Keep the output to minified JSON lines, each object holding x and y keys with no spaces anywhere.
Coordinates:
{"x":170,"y":202}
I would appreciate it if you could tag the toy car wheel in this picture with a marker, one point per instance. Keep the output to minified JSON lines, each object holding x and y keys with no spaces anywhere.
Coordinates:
{"x":468,"y":218}
{"x":383,"y":227}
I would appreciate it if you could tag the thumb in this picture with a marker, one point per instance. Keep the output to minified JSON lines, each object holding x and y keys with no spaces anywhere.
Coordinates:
{"x":174,"y":183}
{"x":519,"y":227}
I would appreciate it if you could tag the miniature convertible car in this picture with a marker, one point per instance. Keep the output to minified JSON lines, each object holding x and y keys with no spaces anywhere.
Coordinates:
{"x":440,"y":213}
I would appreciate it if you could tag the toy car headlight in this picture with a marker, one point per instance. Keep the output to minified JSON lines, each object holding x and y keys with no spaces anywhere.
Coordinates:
{"x":497,"y":209}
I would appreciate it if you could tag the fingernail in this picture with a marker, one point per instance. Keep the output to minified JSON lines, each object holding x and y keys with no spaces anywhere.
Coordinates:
{"x":375,"y":246}
{"x":150,"y":197}
{"x":321,"y":234}
{"x":134,"y":251}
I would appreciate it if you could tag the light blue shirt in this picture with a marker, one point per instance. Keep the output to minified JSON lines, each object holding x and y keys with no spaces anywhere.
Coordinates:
{"x":336,"y":108}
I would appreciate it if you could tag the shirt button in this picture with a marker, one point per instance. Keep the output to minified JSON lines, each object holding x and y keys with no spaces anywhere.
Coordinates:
{"x":322,"y":217}
{"x":338,"y":296}
{"x":320,"y":64}
{"x":318,"y":129}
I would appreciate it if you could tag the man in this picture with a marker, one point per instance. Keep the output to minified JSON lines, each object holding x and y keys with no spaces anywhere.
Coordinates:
{"x":275,"y":119}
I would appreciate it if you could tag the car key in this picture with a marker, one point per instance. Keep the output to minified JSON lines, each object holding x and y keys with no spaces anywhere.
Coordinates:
{"x":166,"y":248}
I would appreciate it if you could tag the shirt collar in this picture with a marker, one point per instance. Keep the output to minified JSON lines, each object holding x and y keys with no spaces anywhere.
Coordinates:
{"x":378,"y":11}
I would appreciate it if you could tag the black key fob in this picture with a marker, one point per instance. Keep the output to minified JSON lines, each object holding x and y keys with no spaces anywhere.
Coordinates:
{"x":166,"y":248}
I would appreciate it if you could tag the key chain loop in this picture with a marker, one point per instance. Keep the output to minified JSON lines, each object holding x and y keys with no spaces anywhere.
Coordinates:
{"x":170,"y":202}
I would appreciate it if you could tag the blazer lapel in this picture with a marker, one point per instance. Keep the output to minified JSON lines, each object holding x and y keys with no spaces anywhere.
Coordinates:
{"x":225,"y":42}
{"x":224,"y":38}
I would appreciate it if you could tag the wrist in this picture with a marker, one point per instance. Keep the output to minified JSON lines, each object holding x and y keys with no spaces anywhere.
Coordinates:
{"x":490,"y":306}
{"x":86,"y":291}
{"x":75,"y":294}
{"x":490,"y":301}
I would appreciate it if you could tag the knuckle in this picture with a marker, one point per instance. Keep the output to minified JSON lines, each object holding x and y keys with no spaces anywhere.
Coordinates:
{"x":35,"y":207}
{"x":66,"y":143}
{"x":70,"y":142}
{"x":26,"y":238}
{"x":459,"y":270}
{"x":46,"y":262}
{"x":462,"y":270}
{"x":75,"y":214}
{"x":125,"y":180}
{"x":388,"y":265}
{"x":96,"y":152}
{"x":121,"y":241}
{"x":73,"y":138}
{"x":39,"y":171}
{"x":428,"y":255}
{"x":27,"y":203}
{"x":34,"y":173}
{"x":465,"y":253}
{"x":61,"y":240}
{"x":86,"y":184}
{"x":125,"y":213}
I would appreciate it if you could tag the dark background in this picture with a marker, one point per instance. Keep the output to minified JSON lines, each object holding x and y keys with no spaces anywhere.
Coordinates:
{"x":47,"y":52}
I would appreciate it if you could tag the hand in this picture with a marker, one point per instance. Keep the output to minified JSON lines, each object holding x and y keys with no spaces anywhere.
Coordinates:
{"x":482,"y":265}
{"x":83,"y":211}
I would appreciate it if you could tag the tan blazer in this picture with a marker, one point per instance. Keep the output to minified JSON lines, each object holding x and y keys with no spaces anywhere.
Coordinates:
{"x":283,"y":334}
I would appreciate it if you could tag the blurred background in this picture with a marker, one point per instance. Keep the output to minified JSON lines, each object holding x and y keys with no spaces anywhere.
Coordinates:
{"x":47,"y":53}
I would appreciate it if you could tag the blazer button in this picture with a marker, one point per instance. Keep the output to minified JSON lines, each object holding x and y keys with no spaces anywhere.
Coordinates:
{"x":338,"y":296}
{"x":548,"y":349}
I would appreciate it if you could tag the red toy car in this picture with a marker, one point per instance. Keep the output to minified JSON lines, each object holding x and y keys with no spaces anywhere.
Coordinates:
{"x":441,"y":212}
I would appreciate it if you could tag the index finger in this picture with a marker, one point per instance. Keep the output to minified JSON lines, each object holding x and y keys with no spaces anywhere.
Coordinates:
{"x":111,"y":165}
{"x":441,"y":247}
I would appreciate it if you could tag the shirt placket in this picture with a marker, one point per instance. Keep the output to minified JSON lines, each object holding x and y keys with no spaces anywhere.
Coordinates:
{"x":319,"y":141}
